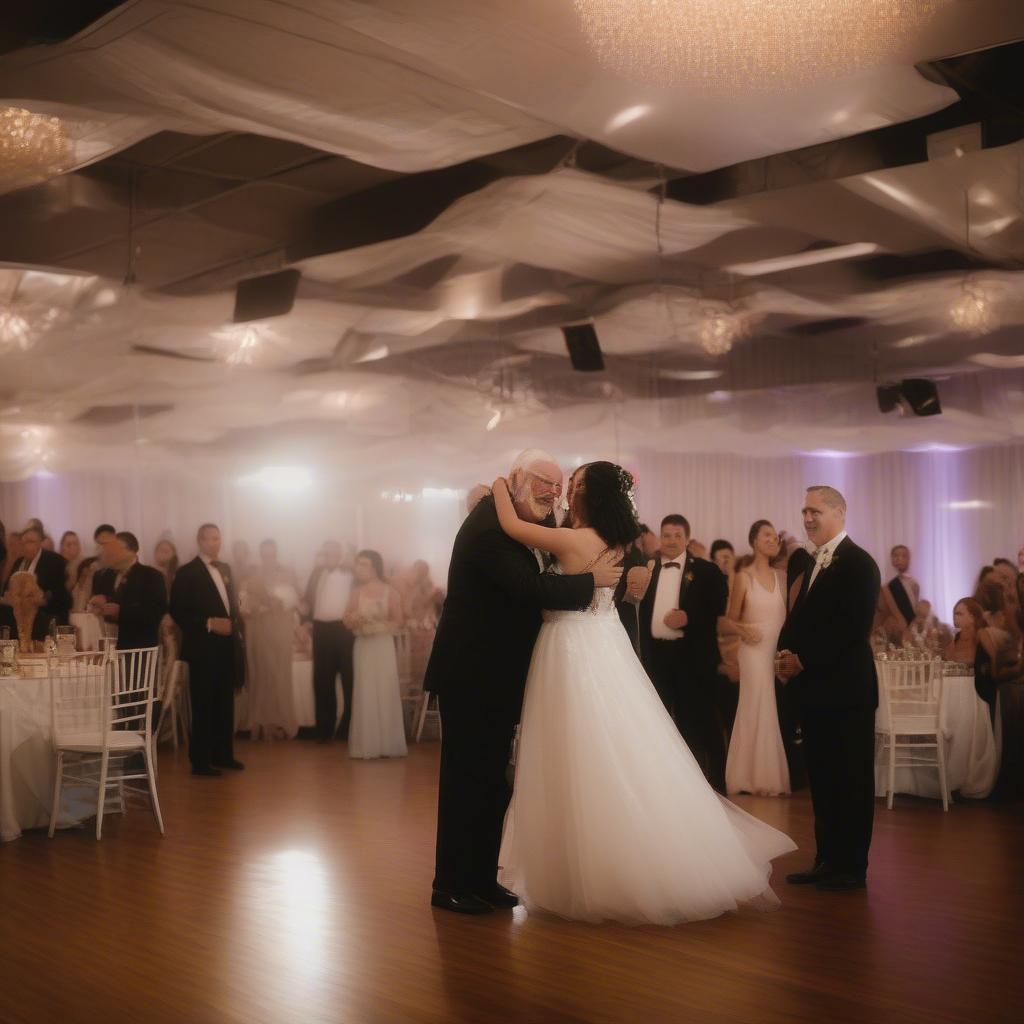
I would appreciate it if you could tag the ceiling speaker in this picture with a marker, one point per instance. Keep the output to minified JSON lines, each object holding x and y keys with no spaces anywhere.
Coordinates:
{"x":259,"y":298}
{"x":584,"y":348}
{"x":915,"y":395}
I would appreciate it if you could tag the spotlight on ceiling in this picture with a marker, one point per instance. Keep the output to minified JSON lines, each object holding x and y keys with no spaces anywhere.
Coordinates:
{"x":259,"y":298}
{"x":915,"y":395}
{"x":584,"y":348}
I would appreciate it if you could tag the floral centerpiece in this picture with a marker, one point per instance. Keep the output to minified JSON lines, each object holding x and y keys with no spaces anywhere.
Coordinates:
{"x":25,"y":599}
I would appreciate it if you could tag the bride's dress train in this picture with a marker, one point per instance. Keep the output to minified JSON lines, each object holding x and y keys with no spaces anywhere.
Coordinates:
{"x":611,"y":817}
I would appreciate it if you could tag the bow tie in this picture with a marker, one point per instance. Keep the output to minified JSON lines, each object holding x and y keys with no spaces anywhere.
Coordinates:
{"x":671,"y":565}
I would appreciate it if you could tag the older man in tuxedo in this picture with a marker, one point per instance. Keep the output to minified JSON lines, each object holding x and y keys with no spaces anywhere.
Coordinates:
{"x":205,"y":607}
{"x":139,"y":599}
{"x":679,"y":643}
{"x":50,"y":571}
{"x":827,"y":662}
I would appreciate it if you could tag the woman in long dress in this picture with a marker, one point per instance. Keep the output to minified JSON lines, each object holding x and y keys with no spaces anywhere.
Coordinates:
{"x":374,"y":614}
{"x":757,"y":612}
{"x":269,"y":601}
{"x":611,"y":817}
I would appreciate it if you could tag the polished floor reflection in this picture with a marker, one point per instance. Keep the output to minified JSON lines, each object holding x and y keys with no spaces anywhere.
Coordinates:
{"x":298,"y":891}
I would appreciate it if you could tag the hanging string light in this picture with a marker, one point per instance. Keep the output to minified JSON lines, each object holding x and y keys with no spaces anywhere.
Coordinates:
{"x":33,"y":147}
{"x":733,"y":44}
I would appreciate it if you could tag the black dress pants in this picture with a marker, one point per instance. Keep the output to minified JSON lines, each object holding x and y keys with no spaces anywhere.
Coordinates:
{"x":839,"y":753}
{"x":662,"y":666}
{"x":698,"y":720}
{"x":332,"y":656}
{"x":212,"y":694}
{"x":473,"y":794}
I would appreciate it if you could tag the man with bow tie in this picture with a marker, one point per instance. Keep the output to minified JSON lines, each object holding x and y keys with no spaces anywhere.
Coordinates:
{"x":205,"y":607}
{"x":826,"y":659}
{"x":327,"y":595}
{"x":679,"y":643}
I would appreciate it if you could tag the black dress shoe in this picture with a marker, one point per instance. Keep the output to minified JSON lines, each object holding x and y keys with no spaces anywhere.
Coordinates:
{"x":500,"y":898}
{"x":842,"y":881}
{"x":210,"y":772}
{"x":812,"y":877}
{"x":460,"y":904}
{"x":235,"y":766}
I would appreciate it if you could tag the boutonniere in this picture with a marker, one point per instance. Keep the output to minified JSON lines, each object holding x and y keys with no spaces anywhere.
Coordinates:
{"x":689,"y":576}
{"x":827,"y":559}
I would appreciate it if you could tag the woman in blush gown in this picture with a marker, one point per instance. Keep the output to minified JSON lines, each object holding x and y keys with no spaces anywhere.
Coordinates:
{"x":269,"y":601}
{"x":374,"y":614}
{"x":757,"y":611}
{"x":611,"y":818}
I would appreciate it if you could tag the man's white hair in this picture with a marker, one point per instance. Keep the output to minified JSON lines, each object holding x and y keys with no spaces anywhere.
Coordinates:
{"x":830,"y":496}
{"x":525,"y":461}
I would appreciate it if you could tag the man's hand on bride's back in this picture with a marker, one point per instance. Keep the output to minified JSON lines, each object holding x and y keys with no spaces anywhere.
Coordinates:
{"x":606,"y":572}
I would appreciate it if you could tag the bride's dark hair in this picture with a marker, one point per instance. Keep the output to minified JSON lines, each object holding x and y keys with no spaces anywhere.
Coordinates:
{"x":607,"y":504}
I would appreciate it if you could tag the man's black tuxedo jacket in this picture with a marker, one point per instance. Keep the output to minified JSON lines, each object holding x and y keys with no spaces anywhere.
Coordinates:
{"x":142,"y":602}
{"x":492,"y":613}
{"x":829,"y":629}
{"x":703,"y":597}
{"x":51,"y":575}
{"x":103,"y":583}
{"x":194,"y":599}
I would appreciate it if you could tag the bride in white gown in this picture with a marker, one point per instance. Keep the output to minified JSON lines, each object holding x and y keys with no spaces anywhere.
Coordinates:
{"x":611,"y":818}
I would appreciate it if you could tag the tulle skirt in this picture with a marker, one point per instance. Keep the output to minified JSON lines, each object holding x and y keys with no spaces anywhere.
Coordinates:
{"x":611,"y":817}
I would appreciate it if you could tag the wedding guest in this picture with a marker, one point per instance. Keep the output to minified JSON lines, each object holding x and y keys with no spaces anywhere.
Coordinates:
{"x":139,"y":601}
{"x":649,"y":541}
{"x":374,"y":615}
{"x":757,"y":611}
{"x":421,"y":605}
{"x":327,"y":595}
{"x":826,"y":660}
{"x":974,"y":644}
{"x":924,"y":626}
{"x":269,"y":599}
{"x":697,"y":549}
{"x":983,"y":575}
{"x":205,"y":607}
{"x":240,"y":560}
{"x":70,"y":550}
{"x":36,"y":524}
{"x":999,"y":614}
{"x":723,"y":554}
{"x":12,"y":556}
{"x":1006,"y":572}
{"x":104,"y":576}
{"x":49,"y":570}
{"x":636,"y":577}
{"x":679,"y":644}
{"x":81,"y":591}
{"x":901,"y":594}
{"x":47,"y":543}
{"x":165,"y":559}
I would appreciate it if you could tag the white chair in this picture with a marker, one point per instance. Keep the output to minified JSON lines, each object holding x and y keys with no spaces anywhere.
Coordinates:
{"x":101,"y":708}
{"x":173,"y":698}
{"x":427,"y":708}
{"x":910,"y":726}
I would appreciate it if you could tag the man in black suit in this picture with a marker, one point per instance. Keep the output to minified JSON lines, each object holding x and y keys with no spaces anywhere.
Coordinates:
{"x":829,"y":667}
{"x":478,"y":667}
{"x":327,"y":595}
{"x":50,"y":571}
{"x":679,"y":643}
{"x":636,"y":577}
{"x":205,"y":607}
{"x":104,"y":577}
{"x":139,"y":600}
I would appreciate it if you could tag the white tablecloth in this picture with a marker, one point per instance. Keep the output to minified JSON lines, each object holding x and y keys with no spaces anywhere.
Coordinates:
{"x":972,"y":748}
{"x":27,"y":762}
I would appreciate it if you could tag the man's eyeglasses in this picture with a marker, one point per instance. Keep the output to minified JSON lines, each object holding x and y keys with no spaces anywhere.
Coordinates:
{"x":542,"y":485}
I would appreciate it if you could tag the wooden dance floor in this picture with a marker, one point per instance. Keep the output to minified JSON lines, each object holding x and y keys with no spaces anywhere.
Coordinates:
{"x":299,"y":890}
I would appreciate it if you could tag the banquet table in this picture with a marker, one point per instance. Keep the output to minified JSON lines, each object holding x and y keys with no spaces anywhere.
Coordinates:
{"x":972,"y":746}
{"x":27,"y":761}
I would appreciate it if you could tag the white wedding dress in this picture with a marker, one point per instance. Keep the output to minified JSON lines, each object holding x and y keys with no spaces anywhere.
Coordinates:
{"x":611,"y":818}
{"x":757,"y":757}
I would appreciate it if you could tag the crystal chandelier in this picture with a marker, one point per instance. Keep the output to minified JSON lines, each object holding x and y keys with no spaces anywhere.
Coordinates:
{"x":33,"y":147}
{"x":972,"y":312}
{"x":733,"y":44}
{"x":721,"y":326}
{"x":240,"y":344}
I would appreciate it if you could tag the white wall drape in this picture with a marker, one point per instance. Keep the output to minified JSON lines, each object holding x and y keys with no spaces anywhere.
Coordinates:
{"x":957,"y":510}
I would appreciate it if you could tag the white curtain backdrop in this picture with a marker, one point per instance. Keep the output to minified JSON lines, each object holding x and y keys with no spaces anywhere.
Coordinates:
{"x":957,"y":510}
